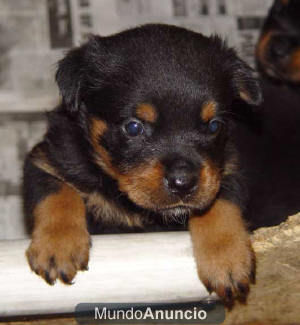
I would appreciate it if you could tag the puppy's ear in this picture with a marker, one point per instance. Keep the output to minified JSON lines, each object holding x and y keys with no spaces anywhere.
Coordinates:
{"x":69,"y":78}
{"x":73,"y":72}
{"x":246,"y":85}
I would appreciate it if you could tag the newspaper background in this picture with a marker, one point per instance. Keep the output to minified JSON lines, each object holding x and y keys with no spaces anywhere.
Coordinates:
{"x":35,"y":34}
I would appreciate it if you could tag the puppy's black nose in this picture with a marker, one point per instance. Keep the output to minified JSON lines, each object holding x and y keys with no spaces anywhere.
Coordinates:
{"x":181,"y":178}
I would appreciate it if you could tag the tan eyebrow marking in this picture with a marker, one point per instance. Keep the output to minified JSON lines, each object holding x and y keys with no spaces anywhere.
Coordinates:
{"x":146,"y":112}
{"x":208,"y":111}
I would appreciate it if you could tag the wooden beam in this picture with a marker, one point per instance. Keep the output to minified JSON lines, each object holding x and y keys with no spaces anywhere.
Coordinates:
{"x":155,"y":267}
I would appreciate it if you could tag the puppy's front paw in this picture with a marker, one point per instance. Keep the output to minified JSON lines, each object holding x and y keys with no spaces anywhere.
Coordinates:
{"x":228,"y":269}
{"x":59,"y":254}
{"x":223,"y":251}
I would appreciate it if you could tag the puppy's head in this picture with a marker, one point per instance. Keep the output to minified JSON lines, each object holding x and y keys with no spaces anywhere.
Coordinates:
{"x":278,"y":49}
{"x":156,"y":99}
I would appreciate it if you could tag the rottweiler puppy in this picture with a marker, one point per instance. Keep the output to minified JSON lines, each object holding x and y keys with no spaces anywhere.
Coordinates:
{"x":144,"y":137}
{"x":273,"y":172}
{"x":278,"y":50}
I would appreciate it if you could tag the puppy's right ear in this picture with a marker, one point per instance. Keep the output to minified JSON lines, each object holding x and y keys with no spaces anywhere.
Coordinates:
{"x":72,"y":73}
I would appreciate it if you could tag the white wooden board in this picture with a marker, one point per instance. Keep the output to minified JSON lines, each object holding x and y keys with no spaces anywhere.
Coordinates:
{"x":155,"y":267}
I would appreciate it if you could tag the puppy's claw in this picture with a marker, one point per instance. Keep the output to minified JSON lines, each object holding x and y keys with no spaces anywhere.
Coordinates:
{"x":208,"y":286}
{"x":228,"y":298}
{"x":252,"y":276}
{"x":243,"y":289}
{"x":84,"y":267}
{"x":48,"y":278}
{"x":228,"y":294}
{"x":65,"y":279}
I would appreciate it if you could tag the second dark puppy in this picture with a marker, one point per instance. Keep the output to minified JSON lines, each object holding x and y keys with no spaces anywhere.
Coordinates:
{"x":278,"y":49}
{"x":272,"y":166}
{"x":144,"y":135}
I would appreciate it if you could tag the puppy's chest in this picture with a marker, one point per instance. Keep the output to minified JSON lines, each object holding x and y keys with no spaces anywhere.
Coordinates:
{"x":108,"y":217}
{"x":107,"y":212}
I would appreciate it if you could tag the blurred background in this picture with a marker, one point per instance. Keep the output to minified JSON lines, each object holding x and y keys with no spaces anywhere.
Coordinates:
{"x":35,"y":34}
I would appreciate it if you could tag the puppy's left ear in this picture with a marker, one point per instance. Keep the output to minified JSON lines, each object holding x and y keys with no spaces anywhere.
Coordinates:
{"x":246,"y":85}
{"x":69,"y":78}
{"x":74,"y":70}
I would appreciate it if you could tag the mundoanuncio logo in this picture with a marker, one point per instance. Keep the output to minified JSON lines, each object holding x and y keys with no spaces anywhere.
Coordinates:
{"x":143,"y":313}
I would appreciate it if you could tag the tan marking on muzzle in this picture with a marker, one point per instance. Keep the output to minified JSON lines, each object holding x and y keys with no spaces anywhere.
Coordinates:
{"x":208,"y":183}
{"x":144,"y":184}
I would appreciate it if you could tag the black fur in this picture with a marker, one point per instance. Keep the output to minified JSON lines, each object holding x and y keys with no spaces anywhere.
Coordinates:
{"x":270,"y":157}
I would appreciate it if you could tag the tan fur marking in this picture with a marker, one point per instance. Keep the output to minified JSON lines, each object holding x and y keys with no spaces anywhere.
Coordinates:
{"x":109,"y":213}
{"x":208,"y":111}
{"x":98,"y":128}
{"x":146,"y":112}
{"x":222,"y":247}
{"x":223,"y":218}
{"x":144,"y":184}
{"x":208,"y":184}
{"x":59,"y":206}
{"x":60,"y":240}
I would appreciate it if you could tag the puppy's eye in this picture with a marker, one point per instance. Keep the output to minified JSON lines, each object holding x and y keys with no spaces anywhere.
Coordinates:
{"x":214,"y":126}
{"x":134,"y":128}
